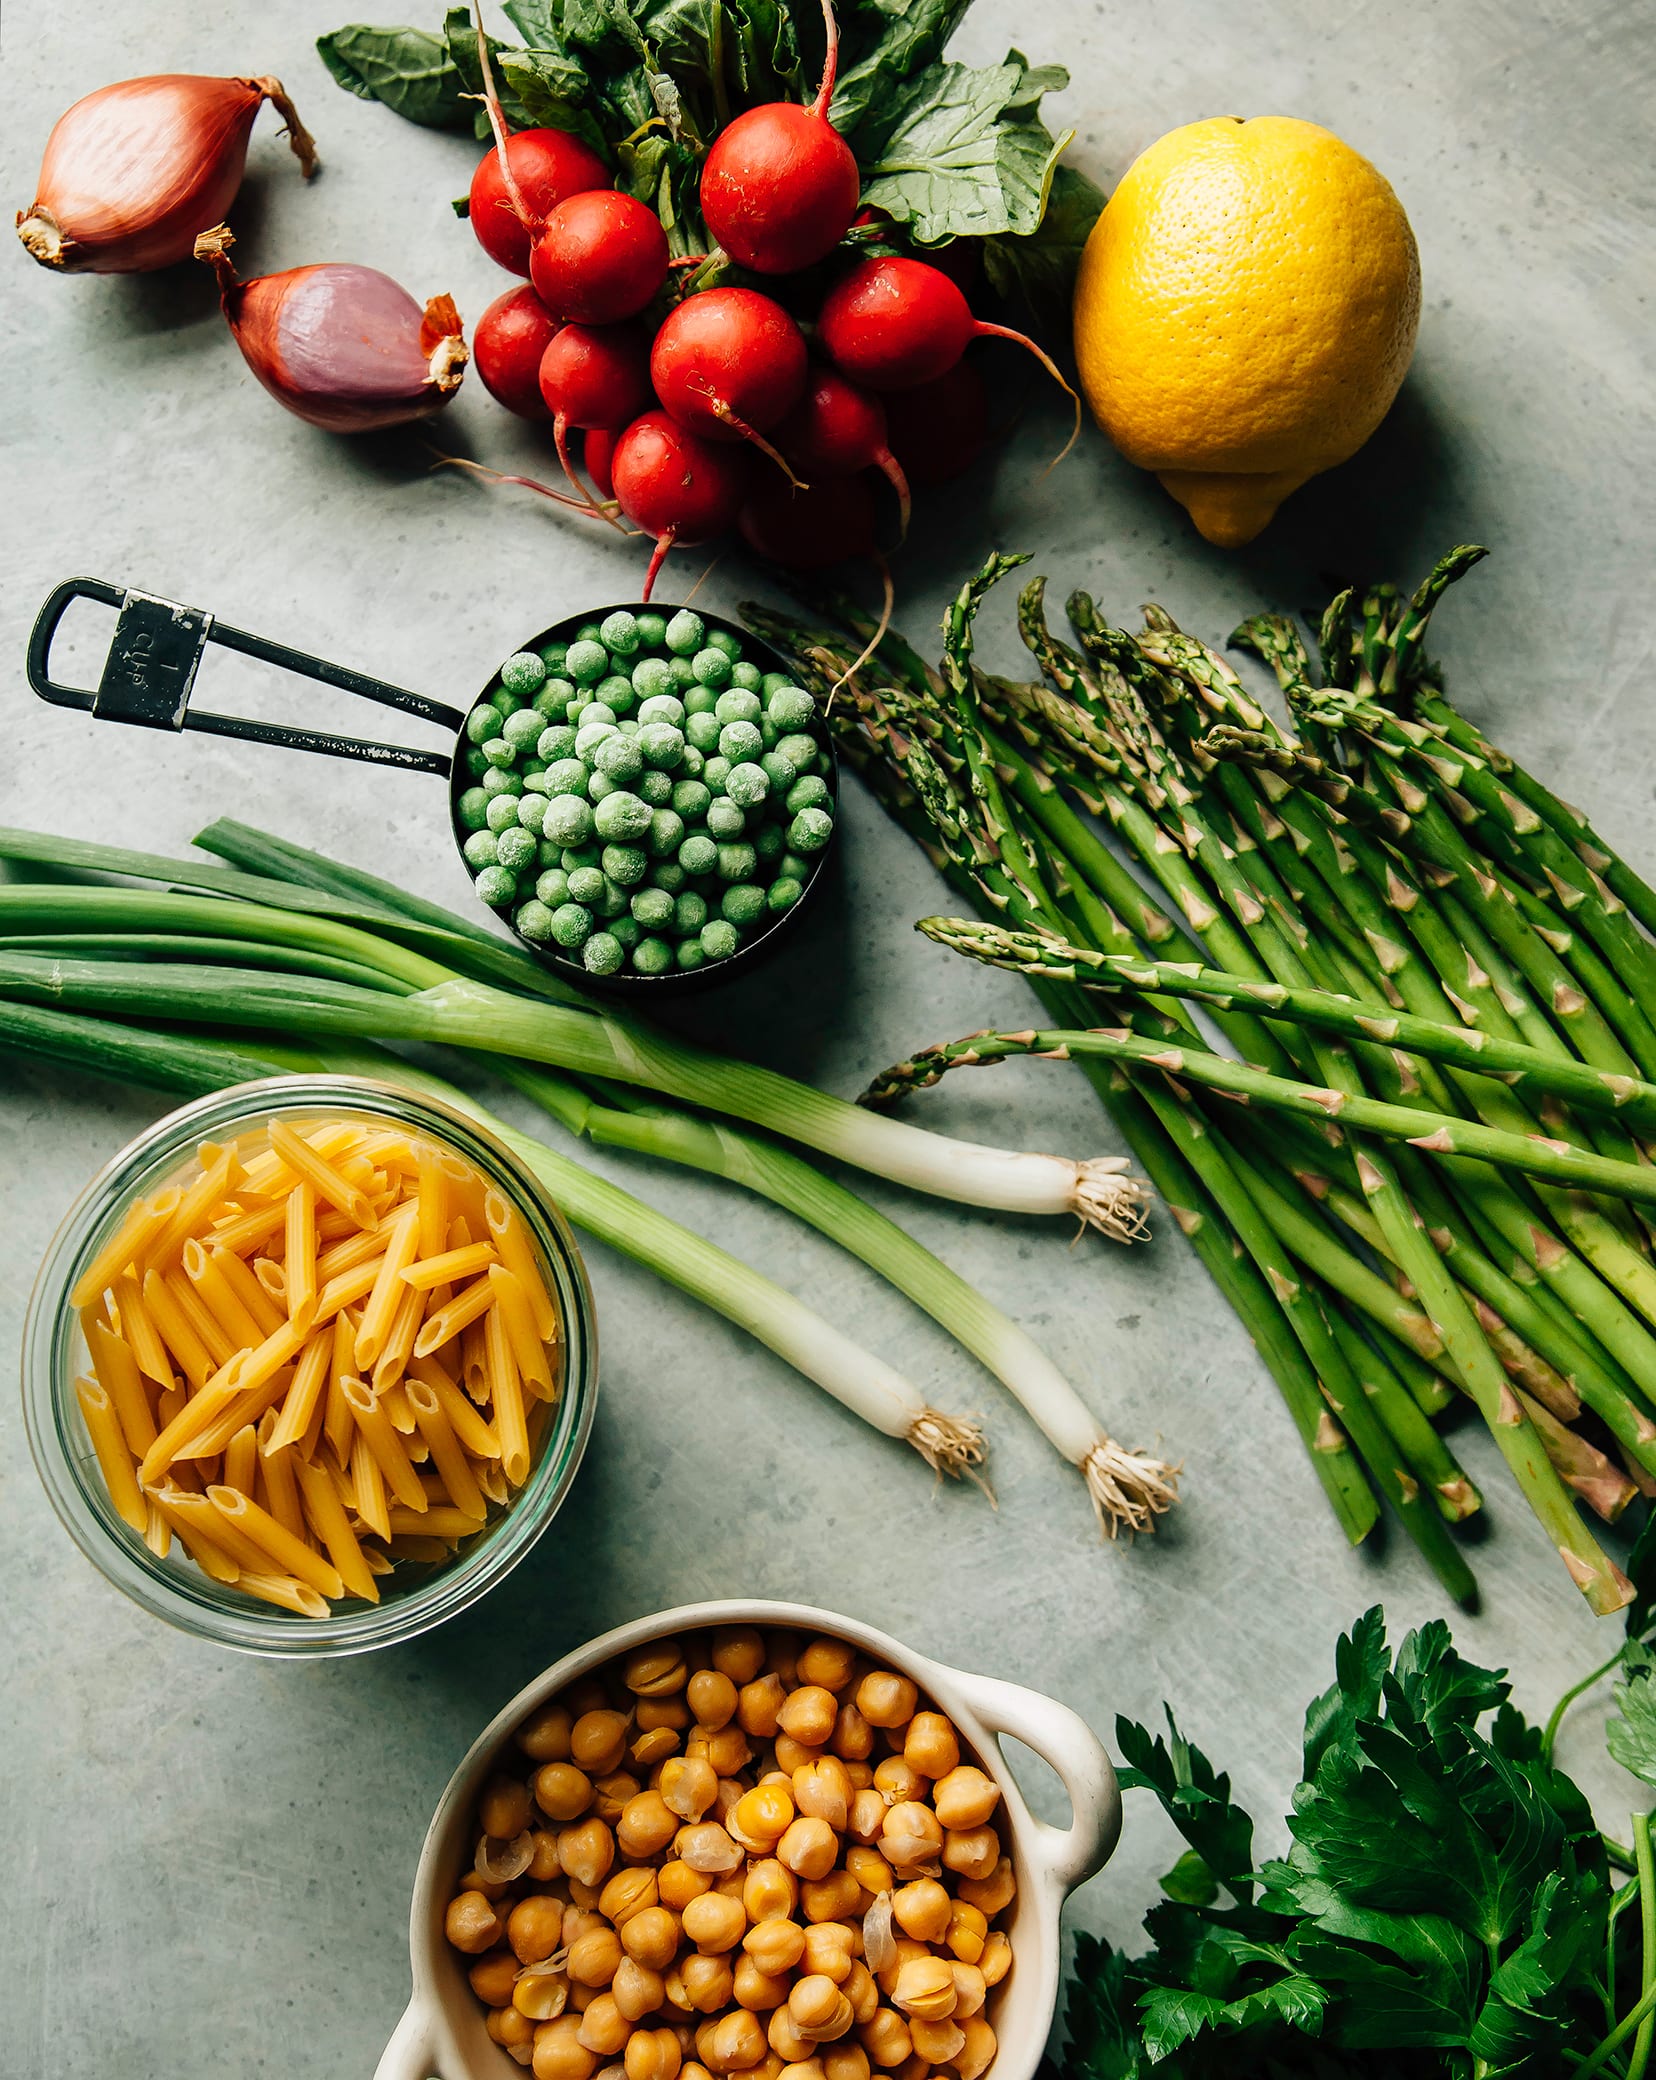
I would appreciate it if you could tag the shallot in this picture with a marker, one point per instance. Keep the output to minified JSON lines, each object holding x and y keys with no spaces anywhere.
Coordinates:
{"x":343,"y":347}
{"x":133,"y":173}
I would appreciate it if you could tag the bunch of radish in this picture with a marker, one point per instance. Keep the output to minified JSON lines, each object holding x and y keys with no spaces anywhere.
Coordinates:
{"x":709,"y":410}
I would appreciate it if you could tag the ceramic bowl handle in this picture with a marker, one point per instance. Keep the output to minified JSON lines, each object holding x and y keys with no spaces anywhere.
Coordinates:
{"x":409,"y":2054}
{"x":1067,"y":1855}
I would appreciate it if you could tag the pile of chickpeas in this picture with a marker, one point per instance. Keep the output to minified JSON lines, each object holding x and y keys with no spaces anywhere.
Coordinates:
{"x":738,"y":1853}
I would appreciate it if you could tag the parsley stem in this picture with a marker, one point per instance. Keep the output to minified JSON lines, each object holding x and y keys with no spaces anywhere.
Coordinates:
{"x":1642,"y":2016}
{"x":1550,"y":1732}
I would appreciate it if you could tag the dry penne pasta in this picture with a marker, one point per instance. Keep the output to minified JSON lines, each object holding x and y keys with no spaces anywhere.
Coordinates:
{"x":306,"y":1360}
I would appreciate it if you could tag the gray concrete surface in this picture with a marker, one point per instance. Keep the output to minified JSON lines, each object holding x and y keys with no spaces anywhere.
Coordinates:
{"x":209,"y":1858}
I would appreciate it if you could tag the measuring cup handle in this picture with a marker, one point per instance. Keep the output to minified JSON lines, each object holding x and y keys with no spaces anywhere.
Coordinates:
{"x":150,"y":671}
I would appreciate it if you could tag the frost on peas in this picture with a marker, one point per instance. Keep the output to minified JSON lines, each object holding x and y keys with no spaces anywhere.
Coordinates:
{"x":553,"y":698}
{"x":666,"y":833}
{"x":552,"y":888}
{"x":739,"y":741}
{"x":698,"y":854}
{"x":617,"y":692}
{"x":500,"y":780}
{"x":746,"y":676}
{"x":747,"y":784}
{"x":808,"y":792}
{"x":568,"y":819}
{"x":602,"y":953}
{"x":716,"y":772}
{"x":722,"y":639}
{"x":586,"y":885}
{"x":501,"y":813}
{"x":691,"y":797}
{"x":619,"y":632}
{"x":712,"y":668}
{"x":499,"y":751}
{"x":554,"y":656}
{"x":534,"y":920}
{"x":624,"y":864}
{"x":556,"y":741}
{"x":694,"y":763}
{"x":668,"y":874}
{"x":719,"y":938}
{"x":689,"y":954}
{"x":799,"y":750}
{"x":783,"y":893}
{"x":661,"y":707}
{"x":736,"y":862}
{"x":660,"y":745}
{"x":652,"y":629}
{"x":599,"y":785}
{"x":564,"y":776}
{"x":743,"y":904}
{"x":497,"y":886}
{"x":810,"y":831}
{"x":621,"y":816}
{"x":737,"y":706}
{"x":479,"y":849}
{"x":651,"y":680}
{"x":689,"y":912}
{"x":725,"y":819}
{"x":524,"y":674}
{"x":531,"y":812}
{"x":791,"y":707}
{"x":626,"y":931}
{"x":684,"y":634}
{"x":586,"y":663}
{"x":619,"y":757}
{"x":779,"y":771}
{"x":483,"y":722}
{"x":701,"y":731}
{"x":472,"y":809}
{"x":651,"y":907}
{"x":516,"y":849}
{"x":652,"y":957}
{"x":654,"y":788}
{"x":571,"y":923}
{"x":590,"y":735}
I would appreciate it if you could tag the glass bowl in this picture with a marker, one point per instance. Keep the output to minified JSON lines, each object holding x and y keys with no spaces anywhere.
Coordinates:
{"x":416,"y":1595}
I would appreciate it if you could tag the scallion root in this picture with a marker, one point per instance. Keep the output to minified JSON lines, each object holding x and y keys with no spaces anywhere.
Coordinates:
{"x":951,"y":1445}
{"x":1109,"y":1199}
{"x":1129,"y":1490}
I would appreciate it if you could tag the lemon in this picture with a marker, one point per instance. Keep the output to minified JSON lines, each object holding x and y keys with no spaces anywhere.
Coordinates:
{"x":1245,"y":311}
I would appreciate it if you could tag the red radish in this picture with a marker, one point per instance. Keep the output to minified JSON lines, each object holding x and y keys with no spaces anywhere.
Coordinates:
{"x":943,"y":426}
{"x":133,"y":173}
{"x":600,"y":258}
{"x":547,"y":167}
{"x":598,"y":453}
{"x":837,"y":430}
{"x":728,"y":364}
{"x":808,"y":527}
{"x":343,"y":347}
{"x":893,"y":323}
{"x":507,"y":344}
{"x":676,"y":487}
{"x":593,"y":375}
{"x":779,"y":186}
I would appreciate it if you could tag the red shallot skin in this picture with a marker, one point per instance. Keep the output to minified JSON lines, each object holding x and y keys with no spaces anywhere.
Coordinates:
{"x":134,"y":172}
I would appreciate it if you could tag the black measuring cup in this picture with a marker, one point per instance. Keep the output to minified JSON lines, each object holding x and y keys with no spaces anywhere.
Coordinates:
{"x":149,"y":676}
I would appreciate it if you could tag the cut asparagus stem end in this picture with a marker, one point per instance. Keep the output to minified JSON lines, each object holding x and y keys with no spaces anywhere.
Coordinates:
{"x":1129,"y":1490}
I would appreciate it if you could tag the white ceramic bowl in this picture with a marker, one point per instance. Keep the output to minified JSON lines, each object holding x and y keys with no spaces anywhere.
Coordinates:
{"x":441,"y":2033}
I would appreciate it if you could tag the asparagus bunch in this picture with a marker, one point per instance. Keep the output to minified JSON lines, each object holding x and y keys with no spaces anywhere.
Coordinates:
{"x":1417,"y":1167}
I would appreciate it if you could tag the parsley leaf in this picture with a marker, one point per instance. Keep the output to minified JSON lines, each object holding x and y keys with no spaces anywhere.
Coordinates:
{"x":1631,"y":1738}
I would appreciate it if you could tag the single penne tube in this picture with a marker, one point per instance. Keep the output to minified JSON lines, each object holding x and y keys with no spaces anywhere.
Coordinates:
{"x":287,"y":1554}
{"x":450,"y":1265}
{"x":310,"y":1379}
{"x":440,"y":1328}
{"x":273,"y":1277}
{"x":465,"y":1191}
{"x":240,"y":1278}
{"x":333,"y":1226}
{"x":392,"y":1150}
{"x":459,"y":1232}
{"x":431,"y":1192}
{"x":337,"y":1425}
{"x":299,"y":1260}
{"x":447,"y":1453}
{"x":286,"y":1590}
{"x":115,"y":1460}
{"x":172,"y":1502}
{"x":395,"y":1403}
{"x":241,"y":1460}
{"x":472,"y":1374}
{"x":515,"y":1312}
{"x":217,"y":1529}
{"x":181,"y":1437}
{"x":491,"y":1480}
{"x":242,"y":1233}
{"x":517,"y":1254}
{"x":505,"y":1394}
{"x":306,"y":1158}
{"x":353,"y":1249}
{"x":431,"y":1551}
{"x":378,"y":1562}
{"x":248,"y":1407}
{"x":139,"y":1332}
{"x":439,"y":1521}
{"x":326,"y":1516}
{"x":380,"y":1307}
{"x":157,"y":1531}
{"x":368,"y":1484}
{"x":204,"y":1268}
{"x":116,"y":1370}
{"x":281,"y":1483}
{"x":474,"y":1433}
{"x":142,"y":1219}
{"x":185,"y":1348}
{"x":348,"y":1288}
{"x":220,"y":1172}
{"x":374,"y":1425}
{"x":398,"y":1347}
{"x":199,"y":1315}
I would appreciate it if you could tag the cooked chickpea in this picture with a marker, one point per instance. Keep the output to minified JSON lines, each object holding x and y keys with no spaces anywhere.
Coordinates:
{"x":733,"y":2044}
{"x":542,"y":1996}
{"x":757,"y":1705}
{"x":768,"y":2068}
{"x":678,"y":1884}
{"x":503,"y":1810}
{"x":492,"y":1977}
{"x":971,"y":1852}
{"x":809,"y":1849}
{"x":688,"y":1787}
{"x":979,"y":2048}
{"x":885,"y":2037}
{"x":965,"y":1797}
{"x":562,"y":1791}
{"x":534,"y":1928}
{"x":597,"y":1741}
{"x":887,"y":1699}
{"x":653,"y":2054}
{"x":903,"y":1951}
{"x":647,"y":1824}
{"x":652,"y":1713}
{"x":937,"y":2042}
{"x":782,"y":1654}
{"x":828,"y":1949}
{"x":738,"y":1652}
{"x":508,"y":2027}
{"x":860,"y":1772}
{"x":992,"y":1893}
{"x":628,"y":1893}
{"x":853,"y":1737}
{"x":604,"y":2028}
{"x":769,"y":1890}
{"x":491,"y":1888}
{"x":712,"y":1697}
{"x":828,"y":1662}
{"x":870,"y":1870}
{"x":646,"y":1751}
{"x":860,"y":1990}
{"x":728,"y":1751}
{"x":804,"y":2069}
{"x":968,"y":1927}
{"x":577,"y":1920}
{"x":845,"y":2062}
{"x":868,"y":1811}
{"x":471,"y":1923}
{"x":971,"y":1990}
{"x":586,"y":1851}
{"x":610,"y":1795}
{"x":775,"y":1945}
{"x":583,"y":1895}
{"x":791,"y":1754}
{"x":559,"y":2052}
{"x":931,"y":1745}
{"x":637,"y":1989}
{"x":782,"y":2034}
{"x":760,"y":1991}
{"x":651,"y":1938}
{"x":655,"y":1671}
{"x":921,"y":1910}
{"x":838,"y":1897}
{"x":822,"y":1791}
{"x":819,"y":2010}
{"x":690,"y":2070}
{"x":762,"y":1817}
{"x":808,"y":1715}
{"x":911,"y":1840}
{"x":725,"y":1799}
{"x":543,"y":1857}
{"x":898,"y":1780}
{"x":715,"y":1923}
{"x":996,"y":1960}
{"x":706,"y":1847}
{"x":925,"y":1989}
{"x":594,"y":1958}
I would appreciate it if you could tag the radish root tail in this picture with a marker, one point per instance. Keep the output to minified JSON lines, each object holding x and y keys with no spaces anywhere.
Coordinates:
{"x":726,"y":417}
{"x":830,"y":61}
{"x":887,"y":604}
{"x":1129,"y":1490}
{"x":951,"y":1446}
{"x":892,"y":470}
{"x":560,"y":440}
{"x":497,"y":476}
{"x":1020,"y":339}
{"x":664,"y":542}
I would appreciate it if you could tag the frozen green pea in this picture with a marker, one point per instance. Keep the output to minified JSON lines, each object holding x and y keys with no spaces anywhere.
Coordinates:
{"x":716,"y":772}
{"x":621,"y":816}
{"x":719,"y":938}
{"x":497,"y":886}
{"x":587,"y":662}
{"x":568,"y":819}
{"x":524,"y":674}
{"x":739,"y":741}
{"x":626,"y":931}
{"x":799,"y":750}
{"x":501,"y":813}
{"x":553,"y":698}
{"x":586,"y":885}
{"x":483,"y":722}
{"x":742,"y":904}
{"x":660,"y":745}
{"x":684,"y":634}
{"x":618,"y":632}
{"x":746,"y":676}
{"x":737,"y":706}
{"x":652,"y":907}
{"x":768,"y":732}
{"x":531,"y":813}
{"x":810,"y":831}
{"x":736,"y":863}
{"x":779,"y":771}
{"x":556,"y":741}
{"x":654,"y":788}
{"x":571,"y":923}
{"x":652,"y":629}
{"x":725,"y":819}
{"x":698,"y":854}
{"x":534,"y":920}
{"x":565,"y":776}
{"x":652,"y":957}
{"x":774,"y":680}
{"x":668,"y":874}
{"x":589,"y":735}
{"x":552,"y":888}
{"x":783,"y":893}
{"x":691,"y":797}
{"x":531,"y":768}
{"x":662,"y":707}
{"x":587,"y":632}
{"x":767,"y":841}
{"x":522,"y":729}
{"x":476,"y":764}
{"x":618,"y":756}
{"x":712,"y":667}
{"x":683,"y":675}
{"x":516,"y":849}
{"x":791,"y":707}
{"x":689,"y":912}
{"x":602,"y":954}
{"x":701,"y":731}
{"x":507,"y":701}
{"x":554,"y":656}
{"x":694,"y":763}
{"x":613,"y":899}
{"x":575,"y":856}
{"x":549,"y":855}
{"x":747,"y":784}
{"x":480,"y":849}
{"x":599,"y":785}
{"x":722,"y":639}
{"x":501,"y":780}
{"x":809,"y":792}
{"x":624,"y":864}
{"x":473,"y":808}
{"x":628,"y":725}
{"x":499,"y":751}
{"x":617,"y":692}
{"x":700,"y":700}
{"x":792,"y":867}
{"x":688,"y":954}
{"x":651,"y":679}
{"x":666,"y":833}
